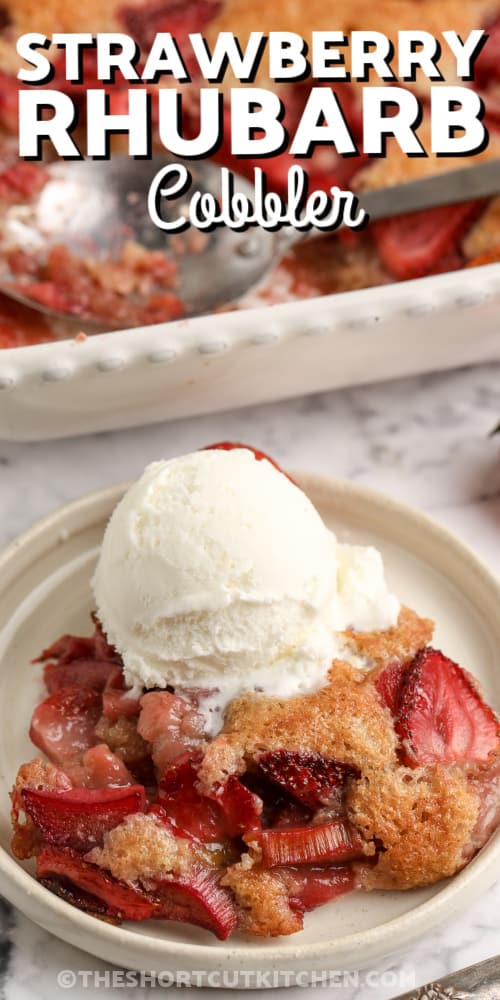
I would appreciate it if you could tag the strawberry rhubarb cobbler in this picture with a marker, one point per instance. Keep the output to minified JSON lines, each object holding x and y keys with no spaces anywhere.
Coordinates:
{"x":412,"y":246}
{"x":256,"y":726}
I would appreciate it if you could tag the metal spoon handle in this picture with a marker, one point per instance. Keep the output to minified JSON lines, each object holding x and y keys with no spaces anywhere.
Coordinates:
{"x":476,"y":982}
{"x":449,"y":188}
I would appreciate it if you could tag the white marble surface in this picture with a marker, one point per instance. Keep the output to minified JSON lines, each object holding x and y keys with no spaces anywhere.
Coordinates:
{"x":424,"y":440}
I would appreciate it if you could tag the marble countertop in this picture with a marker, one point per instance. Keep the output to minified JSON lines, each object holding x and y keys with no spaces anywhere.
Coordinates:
{"x":424,"y":440}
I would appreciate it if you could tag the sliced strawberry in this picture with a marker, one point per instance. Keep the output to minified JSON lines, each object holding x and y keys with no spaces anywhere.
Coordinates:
{"x":93,"y":674}
{"x":388,"y":682}
{"x":171,"y":724}
{"x":198,"y":898}
{"x":442,"y":717}
{"x":311,"y":887}
{"x":261,"y":456}
{"x":191,"y":813}
{"x":307,"y":777}
{"x":241,"y":807}
{"x":81,"y":817}
{"x":411,"y":246}
{"x":334,"y":842}
{"x":121,"y":902}
{"x":63,"y":725}
{"x":100,"y":768}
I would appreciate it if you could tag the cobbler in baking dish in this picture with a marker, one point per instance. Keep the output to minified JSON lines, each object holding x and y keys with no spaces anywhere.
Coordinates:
{"x":227,"y":770}
{"x":398,"y":249}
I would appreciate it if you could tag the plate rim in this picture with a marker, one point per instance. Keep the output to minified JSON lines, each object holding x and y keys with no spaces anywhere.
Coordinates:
{"x":20,"y":887}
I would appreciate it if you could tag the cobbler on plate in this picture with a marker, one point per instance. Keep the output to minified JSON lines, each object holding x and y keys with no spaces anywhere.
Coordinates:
{"x":387,"y":776}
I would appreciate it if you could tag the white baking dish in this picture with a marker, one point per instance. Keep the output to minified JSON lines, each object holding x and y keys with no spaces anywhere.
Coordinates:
{"x":141,"y":376}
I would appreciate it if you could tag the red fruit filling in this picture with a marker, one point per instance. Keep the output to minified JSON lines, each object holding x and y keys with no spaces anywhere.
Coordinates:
{"x":171,"y":725}
{"x":412,"y":245}
{"x":119,"y":901}
{"x":63,"y":725}
{"x":92,"y":674}
{"x":308,"y":777}
{"x":242,"y":808}
{"x":186,"y":809}
{"x":197,"y":899}
{"x":442,"y":717}
{"x":314,"y":886}
{"x":80,"y":818}
{"x":100,"y":768}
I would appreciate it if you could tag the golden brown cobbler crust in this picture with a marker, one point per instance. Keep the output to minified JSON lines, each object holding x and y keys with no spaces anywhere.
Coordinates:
{"x":424,"y":819}
{"x":262,"y":901}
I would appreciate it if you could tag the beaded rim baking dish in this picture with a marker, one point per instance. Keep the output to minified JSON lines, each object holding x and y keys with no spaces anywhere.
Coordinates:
{"x":187,"y":367}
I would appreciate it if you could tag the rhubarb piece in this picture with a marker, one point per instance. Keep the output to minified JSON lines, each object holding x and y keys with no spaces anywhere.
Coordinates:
{"x":308,"y":777}
{"x":189,"y":812}
{"x":311,"y":887}
{"x":261,"y":456}
{"x":100,"y":768}
{"x":36,"y":774}
{"x":442,"y":717}
{"x":241,"y":807}
{"x":121,"y":902}
{"x":80,"y":818}
{"x":76,"y":647}
{"x":411,"y":245}
{"x":68,"y":648}
{"x":63,"y":725}
{"x":93,"y":674}
{"x":198,"y":898}
{"x":335,"y":842}
{"x":171,"y":724}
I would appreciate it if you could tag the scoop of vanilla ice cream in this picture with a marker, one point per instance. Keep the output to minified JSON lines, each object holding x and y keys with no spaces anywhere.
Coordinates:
{"x":216,"y":571}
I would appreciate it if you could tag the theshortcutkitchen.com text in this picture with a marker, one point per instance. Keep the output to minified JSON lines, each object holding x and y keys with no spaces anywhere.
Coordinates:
{"x":163,"y":83}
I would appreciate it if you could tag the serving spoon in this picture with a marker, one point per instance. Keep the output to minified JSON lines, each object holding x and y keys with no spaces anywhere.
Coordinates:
{"x":94,"y":206}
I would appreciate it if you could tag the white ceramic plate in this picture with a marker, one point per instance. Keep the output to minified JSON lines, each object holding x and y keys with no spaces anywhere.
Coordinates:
{"x":208,"y":363}
{"x":44,"y":592}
